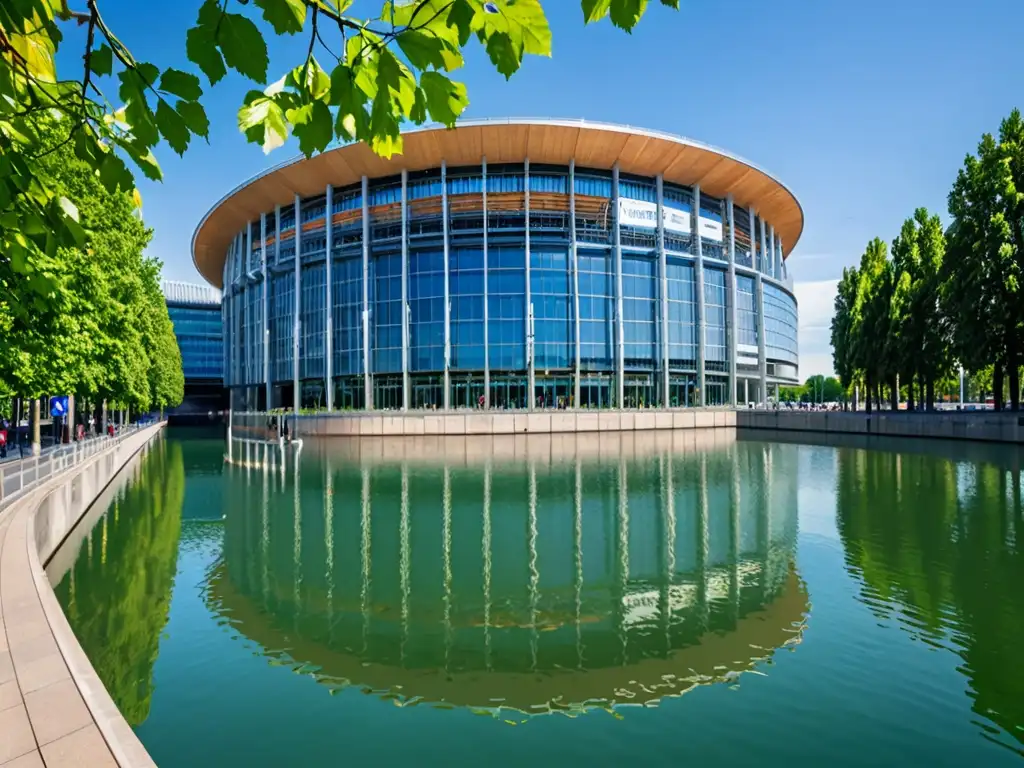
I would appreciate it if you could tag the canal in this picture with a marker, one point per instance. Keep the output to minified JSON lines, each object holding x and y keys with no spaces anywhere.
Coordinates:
{"x":660,"y":598}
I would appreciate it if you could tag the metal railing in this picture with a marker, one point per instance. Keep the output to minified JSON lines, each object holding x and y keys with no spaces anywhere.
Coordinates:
{"x":20,"y":476}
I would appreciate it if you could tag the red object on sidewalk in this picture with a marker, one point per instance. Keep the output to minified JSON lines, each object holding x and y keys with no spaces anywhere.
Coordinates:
{"x":3,"y":437}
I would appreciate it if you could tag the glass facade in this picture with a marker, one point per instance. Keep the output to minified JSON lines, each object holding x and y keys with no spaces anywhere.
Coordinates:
{"x":486,"y":304}
{"x":195,"y":313}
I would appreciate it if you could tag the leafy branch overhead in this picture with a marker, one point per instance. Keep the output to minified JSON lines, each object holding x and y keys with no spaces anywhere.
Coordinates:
{"x":360,"y":80}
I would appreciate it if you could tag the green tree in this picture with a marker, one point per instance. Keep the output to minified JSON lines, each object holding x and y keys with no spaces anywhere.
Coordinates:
{"x":844,"y":347}
{"x":919,"y":343}
{"x":822,"y":389}
{"x":872,"y":327}
{"x":983,"y":290}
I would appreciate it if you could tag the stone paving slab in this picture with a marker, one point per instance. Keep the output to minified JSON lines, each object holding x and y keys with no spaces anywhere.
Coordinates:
{"x":53,"y":709}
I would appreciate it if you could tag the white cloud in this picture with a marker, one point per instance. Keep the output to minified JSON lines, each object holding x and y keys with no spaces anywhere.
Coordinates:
{"x":815,"y":301}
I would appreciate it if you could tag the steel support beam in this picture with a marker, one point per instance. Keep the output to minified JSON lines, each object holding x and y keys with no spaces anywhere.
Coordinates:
{"x":487,"y":349}
{"x":329,"y":308}
{"x":367,"y":384}
{"x":574,"y":254}
{"x":296,"y":347}
{"x":620,"y":346}
{"x":446,"y":397}
{"x":663,"y":291}
{"x":762,"y":361}
{"x":266,"y":311}
{"x":698,"y":287}
{"x":531,"y":370}
{"x":405,"y":289}
{"x":730,"y":297}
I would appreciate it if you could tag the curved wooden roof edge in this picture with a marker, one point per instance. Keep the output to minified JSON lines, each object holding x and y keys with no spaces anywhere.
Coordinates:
{"x":638,"y":151}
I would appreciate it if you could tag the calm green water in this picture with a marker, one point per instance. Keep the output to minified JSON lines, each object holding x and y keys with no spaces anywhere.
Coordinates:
{"x":655,"y":599}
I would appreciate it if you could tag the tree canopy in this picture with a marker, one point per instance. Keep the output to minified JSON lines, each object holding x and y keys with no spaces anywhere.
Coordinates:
{"x":941,"y":299}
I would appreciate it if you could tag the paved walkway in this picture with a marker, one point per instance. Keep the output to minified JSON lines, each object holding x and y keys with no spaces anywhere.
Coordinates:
{"x":51,"y":701}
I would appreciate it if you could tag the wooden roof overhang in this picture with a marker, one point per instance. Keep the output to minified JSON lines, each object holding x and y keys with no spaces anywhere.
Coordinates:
{"x":554,"y":142}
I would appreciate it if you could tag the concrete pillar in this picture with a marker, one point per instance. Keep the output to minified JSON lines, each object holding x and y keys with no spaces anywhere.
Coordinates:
{"x":329,"y":308}
{"x":405,"y":289}
{"x":766,"y":264}
{"x":446,"y":397}
{"x":367,"y":385}
{"x":574,"y":254}
{"x":620,"y":347}
{"x":487,"y":349}
{"x":297,"y":394}
{"x":730,"y":298}
{"x":531,"y":370}
{"x":663,"y":291}
{"x":698,"y":273}
{"x":773,"y":253}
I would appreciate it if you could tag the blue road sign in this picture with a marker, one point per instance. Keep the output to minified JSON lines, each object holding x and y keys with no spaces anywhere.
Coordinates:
{"x":59,"y":406}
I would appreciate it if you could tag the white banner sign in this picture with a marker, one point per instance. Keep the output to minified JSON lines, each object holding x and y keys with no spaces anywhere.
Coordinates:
{"x":640,"y":213}
{"x":710,"y":229}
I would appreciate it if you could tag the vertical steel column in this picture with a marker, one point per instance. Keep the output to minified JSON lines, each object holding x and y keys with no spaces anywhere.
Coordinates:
{"x":773,"y":253}
{"x":329,"y":308}
{"x":531,"y":371}
{"x":446,"y":397}
{"x":779,"y":257}
{"x":487,"y":348}
{"x":277,"y":260}
{"x":763,"y":243}
{"x":762,"y":362}
{"x":730,"y":298}
{"x":266,"y":311}
{"x":574,"y":254}
{"x":754,"y":244}
{"x":620,"y":348}
{"x":367,"y":387}
{"x":296,"y":394}
{"x":244,"y":358}
{"x":663,"y":292}
{"x":698,"y":288}
{"x":405,"y":289}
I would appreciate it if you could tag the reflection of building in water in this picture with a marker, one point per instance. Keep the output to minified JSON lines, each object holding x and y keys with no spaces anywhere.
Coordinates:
{"x":522,"y":583}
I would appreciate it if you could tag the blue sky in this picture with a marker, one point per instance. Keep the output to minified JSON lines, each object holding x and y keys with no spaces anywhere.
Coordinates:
{"x":865,"y":110}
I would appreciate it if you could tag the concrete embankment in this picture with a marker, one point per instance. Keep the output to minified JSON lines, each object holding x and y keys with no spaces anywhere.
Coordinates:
{"x":988,"y":426}
{"x":54,"y":710}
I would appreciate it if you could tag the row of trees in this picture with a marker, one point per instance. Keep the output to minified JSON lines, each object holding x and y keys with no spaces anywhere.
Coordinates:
{"x":100,"y":330}
{"x":817,"y":389}
{"x":939,"y":299}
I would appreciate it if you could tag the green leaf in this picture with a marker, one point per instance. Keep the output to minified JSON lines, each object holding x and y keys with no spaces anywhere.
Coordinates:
{"x":243,"y":46}
{"x":673,"y":4}
{"x":626,"y":13}
{"x":114,"y":174}
{"x":172,"y":127}
{"x":423,"y":50}
{"x":101,"y":60}
{"x":263,"y":122}
{"x":201,"y":49}
{"x":460,"y":17}
{"x":446,"y":100}
{"x":503,"y":54}
{"x":286,"y":16}
{"x":182,"y":84}
{"x":69,"y":208}
{"x":594,"y":10}
{"x":194,"y":115}
{"x":312,"y":125}
{"x":149,"y":166}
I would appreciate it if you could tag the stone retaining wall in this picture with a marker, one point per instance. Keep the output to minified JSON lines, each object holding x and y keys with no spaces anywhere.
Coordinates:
{"x":54,"y":710}
{"x":384,"y":424}
{"x":987,"y":426}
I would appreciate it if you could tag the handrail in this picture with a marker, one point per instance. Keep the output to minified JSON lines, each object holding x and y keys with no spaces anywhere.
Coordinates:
{"x":21,"y":476}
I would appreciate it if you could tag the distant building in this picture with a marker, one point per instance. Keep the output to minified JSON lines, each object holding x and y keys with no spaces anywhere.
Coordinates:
{"x":196,"y":316}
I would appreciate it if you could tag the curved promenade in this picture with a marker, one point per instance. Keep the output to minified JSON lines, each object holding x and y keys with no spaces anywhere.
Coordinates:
{"x":54,"y":711}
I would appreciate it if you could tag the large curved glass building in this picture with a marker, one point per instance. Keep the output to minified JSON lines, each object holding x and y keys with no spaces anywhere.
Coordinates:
{"x":507,"y":264}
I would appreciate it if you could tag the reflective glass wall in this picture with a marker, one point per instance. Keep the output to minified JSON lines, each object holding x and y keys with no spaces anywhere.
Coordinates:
{"x":507,"y":286}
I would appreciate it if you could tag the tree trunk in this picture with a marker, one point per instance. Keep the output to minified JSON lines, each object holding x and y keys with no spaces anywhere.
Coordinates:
{"x":931,"y":394}
{"x":1013,"y":364}
{"x":910,"y":392}
{"x":997,"y":386}
{"x":894,"y":394}
{"x":35,"y":427}
{"x":103,"y":417}
{"x":869,"y":388}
